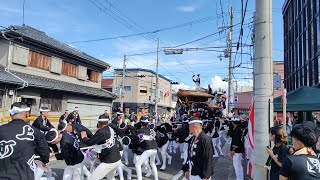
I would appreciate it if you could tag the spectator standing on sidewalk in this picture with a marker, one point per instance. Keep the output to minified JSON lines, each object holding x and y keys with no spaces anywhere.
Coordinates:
{"x":303,"y":164}
{"x":279,"y":152}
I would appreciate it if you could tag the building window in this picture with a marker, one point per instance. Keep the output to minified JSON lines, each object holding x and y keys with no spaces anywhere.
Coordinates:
{"x":1,"y":94}
{"x":318,"y":68}
{"x":311,"y":73}
{"x":143,"y":90}
{"x":69,"y":69}
{"x":39,"y":60}
{"x":51,"y":100}
{"x":127,"y":88}
{"x":92,"y":75}
{"x":161,"y":95}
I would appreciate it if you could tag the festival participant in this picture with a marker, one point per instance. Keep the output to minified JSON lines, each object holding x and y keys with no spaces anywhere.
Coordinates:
{"x":126,"y":130}
{"x":149,"y":145}
{"x":108,"y":149}
{"x":70,"y":153}
{"x":105,"y":115}
{"x":118,"y":119}
{"x":76,"y":129}
{"x":183,"y":137}
{"x":133,"y":118}
{"x":44,"y":125}
{"x":42,"y":122}
{"x":64,"y":116}
{"x":163,"y":142}
{"x":216,"y":142}
{"x":173,"y":145}
{"x":197,"y":81}
{"x":19,"y":144}
{"x":237,"y":147}
{"x":74,"y":117}
{"x":133,"y":142}
{"x":123,"y":152}
{"x":200,"y":154}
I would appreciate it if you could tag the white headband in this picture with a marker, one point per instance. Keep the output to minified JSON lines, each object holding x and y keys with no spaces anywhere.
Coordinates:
{"x":195,"y":121}
{"x":44,"y":110}
{"x":66,"y":124}
{"x":55,"y":138}
{"x":103,"y":120}
{"x":17,"y":110}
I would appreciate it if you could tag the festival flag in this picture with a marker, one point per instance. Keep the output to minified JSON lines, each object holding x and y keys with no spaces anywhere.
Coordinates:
{"x":251,"y":142}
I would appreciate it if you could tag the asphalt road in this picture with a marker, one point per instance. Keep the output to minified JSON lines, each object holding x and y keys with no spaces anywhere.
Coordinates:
{"x":222,"y":167}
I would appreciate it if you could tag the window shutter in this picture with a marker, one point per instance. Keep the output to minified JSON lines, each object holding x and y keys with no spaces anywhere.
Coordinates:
{"x":82,"y":73}
{"x":20,"y":55}
{"x":56,"y":65}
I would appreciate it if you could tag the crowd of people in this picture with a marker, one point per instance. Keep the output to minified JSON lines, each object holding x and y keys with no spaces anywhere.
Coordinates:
{"x":296,"y":150}
{"x":26,"y":149}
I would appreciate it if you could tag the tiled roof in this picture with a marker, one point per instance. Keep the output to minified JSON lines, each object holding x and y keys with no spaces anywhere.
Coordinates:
{"x":145,"y":70}
{"x":41,"y":37}
{"x":106,"y":83}
{"x":46,"y":83}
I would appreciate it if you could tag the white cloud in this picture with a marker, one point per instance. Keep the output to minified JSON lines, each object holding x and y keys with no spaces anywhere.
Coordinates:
{"x":217,"y":83}
{"x":176,"y":87}
{"x":187,"y":9}
{"x":243,"y":83}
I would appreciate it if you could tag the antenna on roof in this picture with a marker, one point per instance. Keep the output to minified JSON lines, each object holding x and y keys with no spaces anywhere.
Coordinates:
{"x":23,"y":12}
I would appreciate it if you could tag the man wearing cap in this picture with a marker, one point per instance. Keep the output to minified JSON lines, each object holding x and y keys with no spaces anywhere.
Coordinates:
{"x":70,"y":153}
{"x":64,"y":116}
{"x":74,"y":117}
{"x":237,"y":147}
{"x":108,"y":149}
{"x":44,"y":125}
{"x":19,"y":142}
{"x":200,"y":154}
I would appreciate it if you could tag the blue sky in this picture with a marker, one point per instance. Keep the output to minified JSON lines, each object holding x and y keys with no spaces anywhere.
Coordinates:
{"x":69,"y":21}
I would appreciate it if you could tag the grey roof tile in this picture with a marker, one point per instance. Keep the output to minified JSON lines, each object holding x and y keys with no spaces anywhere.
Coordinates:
{"x":41,"y":37}
{"x":46,"y":83}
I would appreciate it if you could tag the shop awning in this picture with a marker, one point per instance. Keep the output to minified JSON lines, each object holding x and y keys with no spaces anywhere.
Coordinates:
{"x":302,"y":99}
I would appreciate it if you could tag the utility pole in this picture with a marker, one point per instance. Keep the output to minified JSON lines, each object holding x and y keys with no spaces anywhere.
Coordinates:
{"x":263,"y":85}
{"x":122,"y":86}
{"x":230,"y":62}
{"x":157,"y":82}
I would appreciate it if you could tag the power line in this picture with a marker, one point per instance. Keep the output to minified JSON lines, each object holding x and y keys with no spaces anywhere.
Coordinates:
{"x":201,"y":20}
{"x":111,"y":5}
{"x":169,"y":72}
{"x":107,"y":11}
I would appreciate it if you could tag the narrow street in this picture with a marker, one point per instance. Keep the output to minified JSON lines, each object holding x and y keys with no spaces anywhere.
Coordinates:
{"x":223,"y":168}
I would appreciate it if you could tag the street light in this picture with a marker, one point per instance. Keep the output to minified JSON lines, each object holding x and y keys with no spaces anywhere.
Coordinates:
{"x":172,"y":51}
